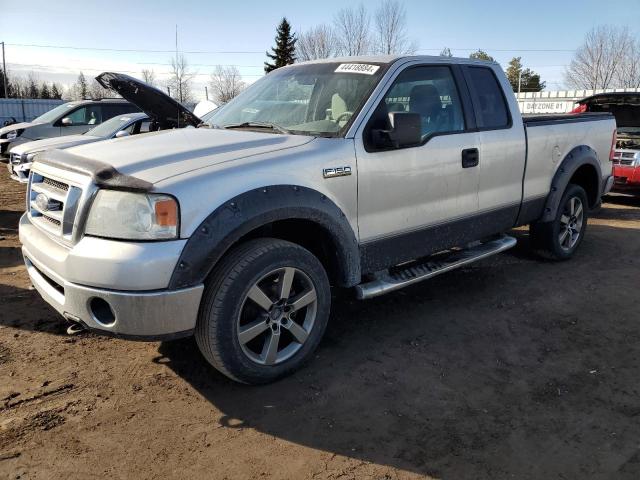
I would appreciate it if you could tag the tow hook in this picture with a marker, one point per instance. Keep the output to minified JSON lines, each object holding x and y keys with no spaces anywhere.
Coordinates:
{"x":76,"y":326}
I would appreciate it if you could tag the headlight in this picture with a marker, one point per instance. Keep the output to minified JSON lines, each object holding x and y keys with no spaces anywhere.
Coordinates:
{"x":29,"y":157}
{"x":133,"y":216}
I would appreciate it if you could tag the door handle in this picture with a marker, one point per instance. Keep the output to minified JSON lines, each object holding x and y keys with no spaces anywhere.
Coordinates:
{"x":470,"y":157}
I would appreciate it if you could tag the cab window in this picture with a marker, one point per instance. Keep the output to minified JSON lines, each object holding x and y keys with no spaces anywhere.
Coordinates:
{"x":89,"y":115}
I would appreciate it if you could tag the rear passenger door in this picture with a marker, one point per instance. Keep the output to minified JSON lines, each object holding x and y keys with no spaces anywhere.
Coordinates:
{"x":502,"y":147}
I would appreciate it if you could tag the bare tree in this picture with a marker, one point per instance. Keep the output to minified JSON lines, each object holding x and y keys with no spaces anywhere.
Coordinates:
{"x":597,"y":62}
{"x":149,"y":77}
{"x":97,"y":91}
{"x":351,"y":26}
{"x":317,"y":42}
{"x":180,"y":79}
{"x":390,"y":26}
{"x":226,"y":83}
{"x":628,"y":74}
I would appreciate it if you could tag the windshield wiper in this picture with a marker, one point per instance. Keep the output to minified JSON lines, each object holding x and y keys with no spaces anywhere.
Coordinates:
{"x":270,"y":126}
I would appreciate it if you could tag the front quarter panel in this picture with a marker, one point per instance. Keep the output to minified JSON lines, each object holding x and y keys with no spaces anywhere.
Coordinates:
{"x":201,"y":191}
{"x":220,"y":204}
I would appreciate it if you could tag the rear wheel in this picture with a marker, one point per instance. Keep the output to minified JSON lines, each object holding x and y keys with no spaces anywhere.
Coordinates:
{"x":264,"y":311}
{"x":560,"y":238}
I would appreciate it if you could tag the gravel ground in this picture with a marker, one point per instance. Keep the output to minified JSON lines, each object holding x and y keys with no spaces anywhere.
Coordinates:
{"x":511,"y":368}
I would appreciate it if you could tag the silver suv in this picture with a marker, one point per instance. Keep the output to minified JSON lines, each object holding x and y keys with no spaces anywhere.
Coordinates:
{"x":72,"y":118}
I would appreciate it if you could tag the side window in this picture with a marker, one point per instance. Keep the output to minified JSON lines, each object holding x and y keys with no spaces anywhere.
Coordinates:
{"x":94,"y":115}
{"x":488,"y":99}
{"x":78,"y":117}
{"x":431,"y":92}
{"x":145,"y":126}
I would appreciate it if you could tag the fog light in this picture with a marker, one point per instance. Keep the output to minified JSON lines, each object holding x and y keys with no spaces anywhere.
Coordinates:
{"x":102,"y":312}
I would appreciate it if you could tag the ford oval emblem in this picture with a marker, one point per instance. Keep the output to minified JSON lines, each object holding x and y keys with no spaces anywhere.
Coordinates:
{"x":42,"y":202}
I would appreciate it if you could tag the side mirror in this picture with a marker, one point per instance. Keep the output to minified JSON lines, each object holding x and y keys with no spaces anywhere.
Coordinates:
{"x":66,"y":121}
{"x":406,"y":131}
{"x":122,"y":133}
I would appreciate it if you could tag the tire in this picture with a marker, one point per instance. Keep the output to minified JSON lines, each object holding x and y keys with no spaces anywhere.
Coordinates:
{"x":560,"y":238}
{"x":242,"y":314}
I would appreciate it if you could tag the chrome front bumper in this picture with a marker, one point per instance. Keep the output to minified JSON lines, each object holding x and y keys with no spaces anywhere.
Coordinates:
{"x":137,"y":314}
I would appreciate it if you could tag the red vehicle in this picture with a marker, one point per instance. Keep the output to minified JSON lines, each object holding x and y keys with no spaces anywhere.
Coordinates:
{"x":625,"y":106}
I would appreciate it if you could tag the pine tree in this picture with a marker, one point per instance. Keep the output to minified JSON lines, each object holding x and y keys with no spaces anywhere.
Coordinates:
{"x":56,"y":92}
{"x":4,"y":94}
{"x":82,"y":91}
{"x":44,"y":91}
{"x":284,"y":53}
{"x":32,"y":91}
{"x":528,"y":79}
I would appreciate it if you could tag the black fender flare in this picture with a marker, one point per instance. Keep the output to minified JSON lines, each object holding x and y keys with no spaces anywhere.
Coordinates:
{"x":576,"y":158}
{"x":256,"y":208}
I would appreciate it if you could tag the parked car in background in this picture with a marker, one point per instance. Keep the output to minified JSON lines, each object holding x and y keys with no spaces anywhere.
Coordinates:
{"x":371,"y":173}
{"x":625,"y":107}
{"x":21,"y":156}
{"x":70,"y":118}
{"x":161,"y":112}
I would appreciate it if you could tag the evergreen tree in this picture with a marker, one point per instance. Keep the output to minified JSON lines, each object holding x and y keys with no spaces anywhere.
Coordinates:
{"x":529,"y":80}
{"x":56,"y":92}
{"x":44,"y":91}
{"x":284,"y":53}
{"x":32,"y":89}
{"x":4,"y":94}
{"x":481,"y":55}
{"x":82,"y":90}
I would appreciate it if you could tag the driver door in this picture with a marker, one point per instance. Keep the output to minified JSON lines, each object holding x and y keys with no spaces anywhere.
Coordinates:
{"x":411,"y":201}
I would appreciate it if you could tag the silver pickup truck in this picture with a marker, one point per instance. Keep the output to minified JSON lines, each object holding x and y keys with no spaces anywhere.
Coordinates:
{"x":370,"y":173}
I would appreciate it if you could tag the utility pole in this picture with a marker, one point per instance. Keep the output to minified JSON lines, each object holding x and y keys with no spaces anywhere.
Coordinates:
{"x":206,"y":93}
{"x":4,"y":73}
{"x":519,"y":81}
{"x":179,"y":79}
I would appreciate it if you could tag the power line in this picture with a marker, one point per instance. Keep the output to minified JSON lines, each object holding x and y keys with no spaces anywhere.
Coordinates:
{"x":128,"y":50}
{"x":70,"y":69}
{"x":140,"y":50}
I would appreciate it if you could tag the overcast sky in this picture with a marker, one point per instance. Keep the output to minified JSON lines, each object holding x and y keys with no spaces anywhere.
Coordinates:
{"x":238,"y":32}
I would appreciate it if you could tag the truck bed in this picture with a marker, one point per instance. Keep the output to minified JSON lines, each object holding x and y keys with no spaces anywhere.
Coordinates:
{"x":539,"y":120}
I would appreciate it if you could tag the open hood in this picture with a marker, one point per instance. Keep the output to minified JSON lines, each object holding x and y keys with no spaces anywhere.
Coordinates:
{"x":155,"y":103}
{"x":625,"y":106}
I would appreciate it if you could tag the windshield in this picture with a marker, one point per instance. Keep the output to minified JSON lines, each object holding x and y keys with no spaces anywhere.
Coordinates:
{"x":313,"y":99}
{"x":110,"y":127}
{"x":54,"y":114}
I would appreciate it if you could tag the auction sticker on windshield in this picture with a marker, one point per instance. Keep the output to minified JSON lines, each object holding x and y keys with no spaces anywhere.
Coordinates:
{"x":357,"y":68}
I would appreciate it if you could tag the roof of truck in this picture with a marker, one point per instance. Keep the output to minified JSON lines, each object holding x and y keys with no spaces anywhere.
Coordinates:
{"x":393,"y":58}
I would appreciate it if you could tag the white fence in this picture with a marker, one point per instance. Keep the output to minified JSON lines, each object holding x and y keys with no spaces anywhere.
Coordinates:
{"x":559,"y":101}
{"x":25,"y":109}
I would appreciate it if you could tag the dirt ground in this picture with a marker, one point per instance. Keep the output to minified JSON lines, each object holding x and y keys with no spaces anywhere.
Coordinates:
{"x":512,"y":368}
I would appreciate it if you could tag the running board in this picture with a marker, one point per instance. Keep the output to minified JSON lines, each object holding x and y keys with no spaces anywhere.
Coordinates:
{"x":390,"y":281}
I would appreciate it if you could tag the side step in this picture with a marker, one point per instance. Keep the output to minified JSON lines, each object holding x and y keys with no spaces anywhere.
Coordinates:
{"x":401,"y":277}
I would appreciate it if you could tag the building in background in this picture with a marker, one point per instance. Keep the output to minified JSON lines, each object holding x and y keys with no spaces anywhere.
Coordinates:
{"x":559,"y":101}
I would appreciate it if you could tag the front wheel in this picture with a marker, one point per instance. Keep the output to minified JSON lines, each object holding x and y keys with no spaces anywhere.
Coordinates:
{"x":264,"y":311}
{"x":560,"y":238}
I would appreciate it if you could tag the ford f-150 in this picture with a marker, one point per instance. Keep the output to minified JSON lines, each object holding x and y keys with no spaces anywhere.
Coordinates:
{"x":370,"y":173}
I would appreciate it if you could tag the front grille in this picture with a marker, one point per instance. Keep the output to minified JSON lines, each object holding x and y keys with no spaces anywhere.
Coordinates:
{"x":63,"y":187}
{"x":53,"y":205}
{"x":621,"y":157}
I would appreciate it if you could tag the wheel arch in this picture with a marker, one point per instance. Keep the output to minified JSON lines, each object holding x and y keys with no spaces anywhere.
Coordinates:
{"x":288,"y":212}
{"x":580,"y":167}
